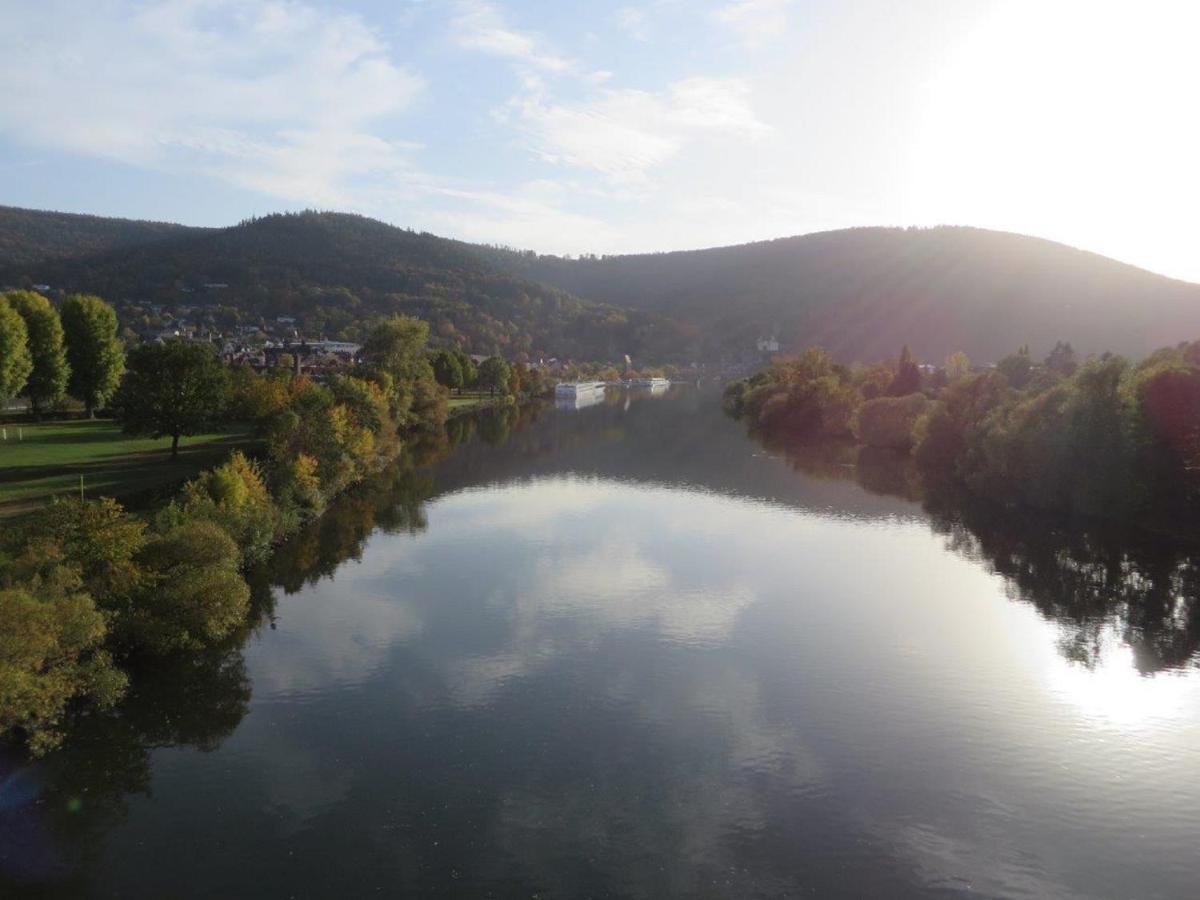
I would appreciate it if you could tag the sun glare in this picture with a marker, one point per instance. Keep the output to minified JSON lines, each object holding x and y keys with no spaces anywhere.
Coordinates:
{"x":1073,"y":120}
{"x":1114,"y":694}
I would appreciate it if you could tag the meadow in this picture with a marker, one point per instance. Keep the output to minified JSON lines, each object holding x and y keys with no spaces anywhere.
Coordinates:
{"x":38,"y":461}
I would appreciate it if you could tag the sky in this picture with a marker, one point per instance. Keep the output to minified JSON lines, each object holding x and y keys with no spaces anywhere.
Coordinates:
{"x":617,"y":127}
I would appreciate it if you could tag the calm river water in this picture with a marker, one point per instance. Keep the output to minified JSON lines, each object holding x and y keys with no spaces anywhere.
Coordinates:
{"x":627,"y":651}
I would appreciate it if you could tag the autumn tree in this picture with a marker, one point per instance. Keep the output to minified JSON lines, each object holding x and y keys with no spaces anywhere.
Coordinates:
{"x":958,"y":365}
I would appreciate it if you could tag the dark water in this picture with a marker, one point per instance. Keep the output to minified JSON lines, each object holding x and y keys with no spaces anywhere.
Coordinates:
{"x":626,"y":651}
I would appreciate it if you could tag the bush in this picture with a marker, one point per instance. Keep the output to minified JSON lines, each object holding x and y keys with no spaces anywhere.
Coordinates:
{"x":888,"y":422}
{"x":51,"y":652}
{"x":99,"y":539}
{"x":195,"y":596}
{"x":235,"y":497}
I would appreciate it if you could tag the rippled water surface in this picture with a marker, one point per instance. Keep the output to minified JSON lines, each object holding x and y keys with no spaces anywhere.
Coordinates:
{"x":626,"y":651}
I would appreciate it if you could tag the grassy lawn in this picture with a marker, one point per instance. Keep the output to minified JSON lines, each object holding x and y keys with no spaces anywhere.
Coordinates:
{"x":40,"y":461}
{"x":467,"y":399}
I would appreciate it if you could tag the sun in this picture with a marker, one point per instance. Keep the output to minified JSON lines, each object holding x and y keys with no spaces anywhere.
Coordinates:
{"x":1073,"y":120}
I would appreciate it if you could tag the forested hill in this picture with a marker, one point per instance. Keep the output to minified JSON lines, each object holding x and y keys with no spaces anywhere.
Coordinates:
{"x":29,"y":236}
{"x":335,"y":271}
{"x":862,"y":292}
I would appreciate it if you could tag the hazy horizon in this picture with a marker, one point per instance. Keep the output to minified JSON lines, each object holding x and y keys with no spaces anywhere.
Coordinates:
{"x":622,"y":128}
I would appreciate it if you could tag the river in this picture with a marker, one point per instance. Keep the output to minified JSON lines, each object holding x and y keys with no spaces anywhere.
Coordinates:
{"x":626,"y":650}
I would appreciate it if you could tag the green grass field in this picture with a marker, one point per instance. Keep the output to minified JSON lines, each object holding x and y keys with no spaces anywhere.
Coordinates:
{"x":39,"y":461}
{"x":469,"y":399}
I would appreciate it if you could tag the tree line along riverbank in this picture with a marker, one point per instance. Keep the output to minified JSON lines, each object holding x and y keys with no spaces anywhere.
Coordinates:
{"x":1103,"y":438}
{"x":88,"y":587}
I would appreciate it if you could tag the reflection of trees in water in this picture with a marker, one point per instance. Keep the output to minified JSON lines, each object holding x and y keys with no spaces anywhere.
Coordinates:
{"x":392,"y":501}
{"x":55,"y":813}
{"x":74,"y":797}
{"x":1098,"y":583}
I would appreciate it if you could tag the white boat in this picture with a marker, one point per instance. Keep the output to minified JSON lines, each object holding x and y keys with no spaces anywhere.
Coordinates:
{"x":577,"y":389}
{"x":581,"y":401}
{"x":655,"y":384}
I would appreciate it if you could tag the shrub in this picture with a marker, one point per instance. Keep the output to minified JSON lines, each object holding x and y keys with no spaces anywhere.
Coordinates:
{"x":194,"y":596}
{"x":888,"y":422}
{"x":235,"y":497}
{"x":51,"y":652}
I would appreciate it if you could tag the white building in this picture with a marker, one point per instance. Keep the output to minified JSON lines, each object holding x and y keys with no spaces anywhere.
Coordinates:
{"x":768,"y":345}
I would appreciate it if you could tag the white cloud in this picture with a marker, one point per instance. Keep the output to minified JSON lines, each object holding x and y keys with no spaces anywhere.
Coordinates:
{"x":279,"y":97}
{"x":626,"y":133}
{"x":754,"y":21}
{"x":479,"y":25}
{"x":634,"y":22}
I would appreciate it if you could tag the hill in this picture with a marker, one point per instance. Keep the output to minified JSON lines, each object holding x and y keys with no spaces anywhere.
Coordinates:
{"x":334,"y":271}
{"x":860,"y":292}
{"x":30,"y":236}
{"x":863,"y":292}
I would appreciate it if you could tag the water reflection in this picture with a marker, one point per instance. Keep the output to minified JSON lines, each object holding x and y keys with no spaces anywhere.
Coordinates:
{"x":625,"y":651}
{"x":57,"y":812}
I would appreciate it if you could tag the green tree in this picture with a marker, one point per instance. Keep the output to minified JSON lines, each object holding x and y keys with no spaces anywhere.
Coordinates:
{"x":1062,"y":359}
{"x":98,"y":537}
{"x":958,"y":365}
{"x":51,"y":652}
{"x":447,"y":370}
{"x":16,"y":363}
{"x":1017,"y":368}
{"x":888,"y":422}
{"x":47,"y":383}
{"x":397,"y":346}
{"x":194,"y":596}
{"x":94,"y":351}
{"x":234,"y":495}
{"x":467,"y":365}
{"x":171,"y":390}
{"x":494,"y":375}
{"x":908,"y":377}
{"x":430,"y":406}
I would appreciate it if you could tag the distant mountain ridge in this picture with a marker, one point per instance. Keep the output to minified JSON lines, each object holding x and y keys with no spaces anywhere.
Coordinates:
{"x":860,"y":292}
{"x":31,"y":236}
{"x":333,"y":271}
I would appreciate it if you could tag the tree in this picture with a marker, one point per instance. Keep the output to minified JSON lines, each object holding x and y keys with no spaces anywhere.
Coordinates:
{"x":98,"y":537}
{"x":94,"y":351}
{"x":447,"y":370}
{"x":51,"y":652}
{"x":15,"y":360}
{"x":874,"y":381}
{"x":234,"y":495}
{"x":172,"y":389}
{"x":908,"y":377}
{"x":958,"y":365}
{"x":1062,"y":359}
{"x":397,"y":346}
{"x":196,"y":596}
{"x":888,"y":422}
{"x":467,"y":365}
{"x":47,"y":383}
{"x":1017,"y":367}
{"x":494,"y":374}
